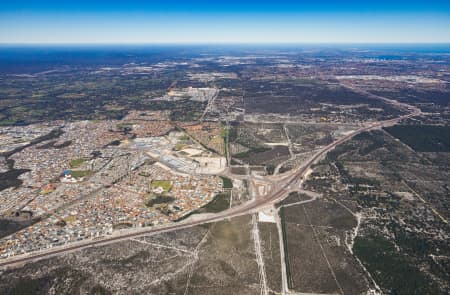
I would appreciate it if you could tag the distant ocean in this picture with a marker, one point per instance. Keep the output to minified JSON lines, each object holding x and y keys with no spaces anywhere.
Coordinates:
{"x":36,"y":58}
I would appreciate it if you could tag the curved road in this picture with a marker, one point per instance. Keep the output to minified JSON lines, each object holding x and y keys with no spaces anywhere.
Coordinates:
{"x":279,"y":191}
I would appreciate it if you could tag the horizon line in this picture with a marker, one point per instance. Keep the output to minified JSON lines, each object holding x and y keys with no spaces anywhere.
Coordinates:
{"x":224,"y":43}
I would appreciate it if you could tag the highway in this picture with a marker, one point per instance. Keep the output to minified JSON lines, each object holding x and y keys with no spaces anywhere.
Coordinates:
{"x":280,"y":184}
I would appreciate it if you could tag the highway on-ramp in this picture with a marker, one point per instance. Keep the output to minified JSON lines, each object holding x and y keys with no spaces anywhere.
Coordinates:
{"x":280,"y":190}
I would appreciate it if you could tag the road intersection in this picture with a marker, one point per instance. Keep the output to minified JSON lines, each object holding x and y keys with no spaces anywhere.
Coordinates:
{"x":279,"y":187}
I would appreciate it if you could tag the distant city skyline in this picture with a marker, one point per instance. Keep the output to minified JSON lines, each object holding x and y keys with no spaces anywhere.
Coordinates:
{"x":187,"y":22}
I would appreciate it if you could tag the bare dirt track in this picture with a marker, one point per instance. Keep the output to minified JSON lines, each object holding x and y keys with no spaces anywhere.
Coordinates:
{"x":282,"y":185}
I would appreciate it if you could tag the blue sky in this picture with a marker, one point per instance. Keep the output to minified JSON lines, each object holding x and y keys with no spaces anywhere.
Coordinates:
{"x":231,"y":21}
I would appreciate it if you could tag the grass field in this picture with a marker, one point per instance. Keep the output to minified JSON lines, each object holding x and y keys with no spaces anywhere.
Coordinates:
{"x":76,"y":162}
{"x":227,"y":183}
{"x":70,"y":218}
{"x":81,"y":173}
{"x":165,"y":184}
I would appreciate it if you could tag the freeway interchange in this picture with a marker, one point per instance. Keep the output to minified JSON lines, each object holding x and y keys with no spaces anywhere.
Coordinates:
{"x":280,"y":186}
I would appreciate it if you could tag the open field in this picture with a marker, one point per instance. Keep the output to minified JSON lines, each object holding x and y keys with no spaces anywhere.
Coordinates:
{"x":271,"y":254}
{"x":225,"y":171}
{"x":212,"y":259}
{"x":400,"y":197}
{"x":317,"y":259}
{"x":166,"y":185}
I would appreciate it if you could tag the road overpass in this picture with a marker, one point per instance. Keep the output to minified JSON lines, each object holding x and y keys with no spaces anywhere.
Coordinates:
{"x":281,"y":186}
